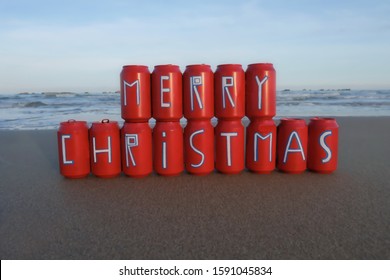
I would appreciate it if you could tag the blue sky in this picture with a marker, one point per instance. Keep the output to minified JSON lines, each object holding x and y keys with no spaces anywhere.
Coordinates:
{"x":82,"y":45}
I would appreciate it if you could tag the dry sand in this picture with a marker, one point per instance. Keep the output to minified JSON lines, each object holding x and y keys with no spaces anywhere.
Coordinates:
{"x":345,"y":215}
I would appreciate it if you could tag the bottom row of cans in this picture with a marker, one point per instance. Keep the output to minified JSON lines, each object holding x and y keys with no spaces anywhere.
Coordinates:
{"x":137,"y":150}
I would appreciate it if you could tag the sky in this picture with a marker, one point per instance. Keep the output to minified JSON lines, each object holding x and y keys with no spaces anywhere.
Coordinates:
{"x":81,"y":45}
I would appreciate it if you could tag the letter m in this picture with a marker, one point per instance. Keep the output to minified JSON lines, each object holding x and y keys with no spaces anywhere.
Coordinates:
{"x":125,"y":86}
{"x":255,"y":145}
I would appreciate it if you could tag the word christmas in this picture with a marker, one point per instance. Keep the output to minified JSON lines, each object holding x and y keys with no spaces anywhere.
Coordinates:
{"x":199,"y":94}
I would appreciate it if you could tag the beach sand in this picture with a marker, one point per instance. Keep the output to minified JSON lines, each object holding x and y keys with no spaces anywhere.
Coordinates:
{"x":344,"y":215}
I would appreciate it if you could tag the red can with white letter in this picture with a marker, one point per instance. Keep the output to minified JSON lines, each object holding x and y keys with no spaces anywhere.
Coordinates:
{"x":136,"y":144}
{"x":261,"y":146}
{"x":168,"y":148}
{"x":229,"y":144}
{"x":260,"y":90}
{"x":104,"y":142}
{"x":229,"y":93}
{"x":73,"y":149}
{"x":135,"y":93}
{"x":198,"y":92}
{"x":323,"y":145}
{"x":167,"y":96}
{"x":199,"y":147}
{"x":292,"y":145}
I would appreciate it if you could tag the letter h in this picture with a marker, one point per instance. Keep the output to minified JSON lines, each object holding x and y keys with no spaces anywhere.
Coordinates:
{"x":108,"y":150}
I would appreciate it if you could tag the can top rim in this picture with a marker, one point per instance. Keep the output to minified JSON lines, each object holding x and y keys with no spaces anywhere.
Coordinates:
{"x":229,"y":65}
{"x":104,"y":122}
{"x":262,"y":64}
{"x":166,"y":65}
{"x":135,"y":66}
{"x":198,"y":65}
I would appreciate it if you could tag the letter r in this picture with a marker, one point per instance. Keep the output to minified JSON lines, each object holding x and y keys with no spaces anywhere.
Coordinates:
{"x":226,"y":83}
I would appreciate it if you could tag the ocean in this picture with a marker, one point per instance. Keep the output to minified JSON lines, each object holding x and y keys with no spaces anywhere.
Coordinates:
{"x":47,"y":110}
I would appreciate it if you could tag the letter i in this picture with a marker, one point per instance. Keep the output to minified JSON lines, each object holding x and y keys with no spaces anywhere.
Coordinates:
{"x":164,"y":151}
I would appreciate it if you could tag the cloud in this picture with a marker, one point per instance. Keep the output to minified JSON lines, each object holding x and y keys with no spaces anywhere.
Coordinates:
{"x":303,"y":41}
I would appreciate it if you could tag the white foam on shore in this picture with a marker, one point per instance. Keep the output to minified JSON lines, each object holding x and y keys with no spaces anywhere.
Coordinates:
{"x":47,"y":110}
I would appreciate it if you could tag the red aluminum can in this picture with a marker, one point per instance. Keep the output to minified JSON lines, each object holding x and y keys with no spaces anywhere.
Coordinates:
{"x":73,"y":149}
{"x":199,"y":147}
{"x":168,"y":148}
{"x":323,"y":145}
{"x":261,"y":146}
{"x":135,"y":93}
{"x":229,"y":142}
{"x":260,"y":90}
{"x":167,"y":95}
{"x":104,"y":142}
{"x":136,"y":144}
{"x":198,"y":92}
{"x":229,"y":84}
{"x":292,"y":145}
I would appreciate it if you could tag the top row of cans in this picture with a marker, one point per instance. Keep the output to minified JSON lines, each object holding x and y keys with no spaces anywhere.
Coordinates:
{"x":198,"y":93}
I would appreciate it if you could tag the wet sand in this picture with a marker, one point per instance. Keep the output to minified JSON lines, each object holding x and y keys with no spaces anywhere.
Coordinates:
{"x":344,"y":215}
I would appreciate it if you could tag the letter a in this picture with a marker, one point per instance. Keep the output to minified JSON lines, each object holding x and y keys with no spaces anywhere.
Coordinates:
{"x":289,"y":150}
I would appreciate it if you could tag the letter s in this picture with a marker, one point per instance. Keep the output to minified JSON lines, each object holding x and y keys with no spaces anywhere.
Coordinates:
{"x":196,"y":150}
{"x":325,"y":147}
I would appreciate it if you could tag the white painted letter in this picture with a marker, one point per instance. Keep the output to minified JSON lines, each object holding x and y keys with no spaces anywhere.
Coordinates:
{"x":288,"y":150}
{"x":228,"y":146}
{"x":131,"y":140}
{"x":196,"y":150}
{"x":194,"y":82}
{"x":164,"y":151}
{"x":108,"y":150}
{"x":260,"y":89}
{"x":166,"y":104}
{"x":226,"y":83}
{"x":255,"y":148}
{"x":325,"y":147}
{"x":64,"y":160}
{"x":125,"y":85}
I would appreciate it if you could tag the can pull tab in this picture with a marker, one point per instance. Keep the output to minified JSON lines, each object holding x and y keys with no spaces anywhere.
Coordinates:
{"x":105,"y":120}
{"x":71,"y":120}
